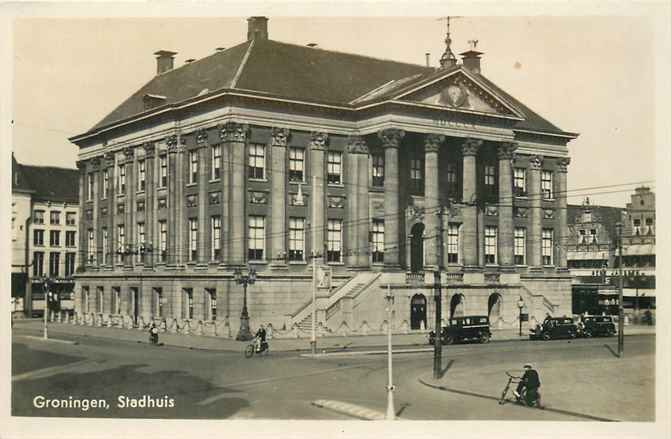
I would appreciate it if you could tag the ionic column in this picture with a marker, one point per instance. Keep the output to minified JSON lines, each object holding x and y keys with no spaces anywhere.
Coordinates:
{"x":357,"y":202}
{"x":505,"y":209}
{"x":278,"y":196}
{"x":469,"y":151}
{"x":203,"y":177}
{"x":432,"y":144}
{"x":318,"y":193}
{"x":536,"y":217}
{"x":562,"y":225}
{"x":149,"y":151}
{"x":173,"y":201}
{"x":235,"y":136}
{"x":391,"y":139}
{"x":129,"y":218}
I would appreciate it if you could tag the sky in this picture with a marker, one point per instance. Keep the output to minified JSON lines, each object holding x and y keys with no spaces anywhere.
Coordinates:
{"x":589,"y":75}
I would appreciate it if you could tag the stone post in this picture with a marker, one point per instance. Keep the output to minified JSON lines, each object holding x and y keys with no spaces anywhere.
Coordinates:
{"x":391,"y":140}
{"x":505,"y":210}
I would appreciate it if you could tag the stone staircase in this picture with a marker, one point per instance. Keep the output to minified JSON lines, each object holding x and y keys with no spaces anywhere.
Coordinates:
{"x":351,"y":288}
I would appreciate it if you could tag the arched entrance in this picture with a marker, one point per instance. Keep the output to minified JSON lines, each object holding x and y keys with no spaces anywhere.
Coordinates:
{"x":417,"y":311}
{"x":457,"y":306}
{"x":494,"y":307}
{"x":417,"y":248}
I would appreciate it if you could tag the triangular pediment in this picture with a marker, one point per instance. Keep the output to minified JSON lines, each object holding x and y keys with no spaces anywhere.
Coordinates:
{"x":460,"y":92}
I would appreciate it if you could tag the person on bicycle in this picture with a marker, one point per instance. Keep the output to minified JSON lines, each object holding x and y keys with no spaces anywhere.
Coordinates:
{"x":153,"y":333}
{"x":262,"y":344}
{"x":530,"y":381}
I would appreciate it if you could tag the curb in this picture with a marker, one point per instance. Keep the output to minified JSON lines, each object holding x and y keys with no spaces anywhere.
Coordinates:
{"x":55,"y":340}
{"x":353,"y":410}
{"x":354,"y":353}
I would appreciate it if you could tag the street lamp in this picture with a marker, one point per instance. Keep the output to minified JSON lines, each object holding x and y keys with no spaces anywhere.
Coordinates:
{"x":391,"y":413}
{"x":620,"y":323}
{"x":520,"y":305}
{"x":244,"y":279}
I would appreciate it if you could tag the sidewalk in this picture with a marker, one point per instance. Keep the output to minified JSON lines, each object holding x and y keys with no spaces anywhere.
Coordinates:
{"x":328,"y":344}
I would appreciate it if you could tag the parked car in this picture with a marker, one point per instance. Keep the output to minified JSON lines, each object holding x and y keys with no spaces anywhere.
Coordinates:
{"x":554,"y":327}
{"x":596,"y":326}
{"x":461,"y":329}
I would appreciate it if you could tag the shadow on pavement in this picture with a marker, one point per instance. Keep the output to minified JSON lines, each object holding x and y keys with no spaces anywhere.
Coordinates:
{"x":26,"y":359}
{"x":128,"y":381}
{"x":611,"y":351}
{"x":447,"y":367}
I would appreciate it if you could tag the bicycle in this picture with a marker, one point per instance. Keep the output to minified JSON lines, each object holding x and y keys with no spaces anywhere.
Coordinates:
{"x":257,"y":347}
{"x":527,"y":398}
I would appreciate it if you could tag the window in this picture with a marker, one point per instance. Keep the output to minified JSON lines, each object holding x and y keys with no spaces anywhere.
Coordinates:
{"x":211,"y":296}
{"x":54,"y":263}
{"x":296,"y":239}
{"x":38,"y":217}
{"x":334,"y":167}
{"x":163,"y":171}
{"x":490,"y":176}
{"x":38,"y":264}
{"x":452,"y":182}
{"x":546,"y":185}
{"x":188,"y":303}
{"x":141,"y":176}
{"x":55,"y":238}
{"x":193,"y":167}
{"x":215,"y":198}
{"x":116,"y":303}
{"x":106,"y":183}
{"x":70,"y":218}
{"x":377,"y":239}
{"x":520,"y":245}
{"x":121,"y":242}
{"x":416,"y":176}
{"x":520,"y":182}
{"x":216,"y":162}
{"x":490,"y":245}
{"x":163,"y":240}
{"x":453,"y":244}
{"x":592,"y":234}
{"x":69,"y":264}
{"x":70,"y":238}
{"x":296,"y":164}
{"x":38,"y":237}
{"x":334,"y":241}
{"x":215,"y":234}
{"x":650,"y":226}
{"x":55,"y":217}
{"x":193,"y":239}
{"x":91,"y":247}
{"x":257,"y":161}
{"x":105,"y":246}
{"x":257,"y":238}
{"x":140,"y":240}
{"x":547,"y":238}
{"x":637,"y":227}
{"x":90,"y":186}
{"x":99,"y":299}
{"x":121,"y":179}
{"x":378,"y":170}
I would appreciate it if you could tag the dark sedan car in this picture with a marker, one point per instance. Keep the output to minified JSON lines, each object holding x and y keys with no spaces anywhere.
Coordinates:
{"x":597,"y":326}
{"x":554,"y":327}
{"x":469,"y":328}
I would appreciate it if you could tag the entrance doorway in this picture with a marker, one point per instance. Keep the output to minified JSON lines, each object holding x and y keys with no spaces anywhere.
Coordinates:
{"x":417,"y":311}
{"x":457,"y":306}
{"x":494,"y":307}
{"x":417,"y":248}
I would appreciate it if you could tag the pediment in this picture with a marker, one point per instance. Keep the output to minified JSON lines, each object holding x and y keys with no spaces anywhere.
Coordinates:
{"x":460,"y":92}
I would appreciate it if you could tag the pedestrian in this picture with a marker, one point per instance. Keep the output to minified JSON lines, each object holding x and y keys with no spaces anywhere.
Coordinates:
{"x":261,"y":339}
{"x":530,"y":381}
{"x":153,"y":333}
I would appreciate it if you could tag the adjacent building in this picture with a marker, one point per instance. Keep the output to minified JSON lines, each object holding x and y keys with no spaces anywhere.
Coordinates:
{"x":274,"y":156}
{"x":45,"y":217}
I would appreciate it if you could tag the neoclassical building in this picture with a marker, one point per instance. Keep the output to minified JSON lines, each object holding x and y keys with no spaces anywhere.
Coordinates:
{"x":267,"y":155}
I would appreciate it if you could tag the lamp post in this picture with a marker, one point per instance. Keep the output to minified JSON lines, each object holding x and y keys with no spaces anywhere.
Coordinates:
{"x":620,"y":323}
{"x":391,"y":413}
{"x":45,"y":289}
{"x":520,"y":305}
{"x":244,"y":279}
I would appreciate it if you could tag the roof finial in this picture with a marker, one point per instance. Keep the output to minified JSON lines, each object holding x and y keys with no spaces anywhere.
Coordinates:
{"x":448,"y":59}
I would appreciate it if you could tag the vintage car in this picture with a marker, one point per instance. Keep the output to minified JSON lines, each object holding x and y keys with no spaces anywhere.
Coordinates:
{"x":590,"y":326}
{"x":460,"y":329}
{"x":554,"y":327}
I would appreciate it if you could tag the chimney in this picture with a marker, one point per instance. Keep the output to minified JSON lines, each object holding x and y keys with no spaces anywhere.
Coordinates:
{"x":189,"y":61}
{"x":220,"y":49}
{"x":428,"y":59}
{"x":257,"y":28}
{"x":471,"y":58}
{"x":165,"y":61}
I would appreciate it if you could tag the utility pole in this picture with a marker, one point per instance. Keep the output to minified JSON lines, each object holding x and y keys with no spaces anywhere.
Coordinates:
{"x":438,"y":340}
{"x":391,"y":413}
{"x":620,"y":323}
{"x":313,"y":339}
{"x":46,"y":307}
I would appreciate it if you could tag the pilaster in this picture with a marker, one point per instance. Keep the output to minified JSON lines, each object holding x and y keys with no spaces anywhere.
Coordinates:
{"x":278,"y":196}
{"x":562,"y":214}
{"x":505,"y":208}
{"x":318,"y":193}
{"x":235,"y":136}
{"x":203,"y":176}
{"x":536,"y":211}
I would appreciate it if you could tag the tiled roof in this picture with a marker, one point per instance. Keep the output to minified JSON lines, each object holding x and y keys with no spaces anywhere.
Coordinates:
{"x":606,"y":215}
{"x":49,"y":183}
{"x":294,"y":72}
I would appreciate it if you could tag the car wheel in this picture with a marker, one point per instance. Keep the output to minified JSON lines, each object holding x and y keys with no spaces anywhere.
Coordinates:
{"x":449,"y":340}
{"x":546,"y":336}
{"x":588,"y":334}
{"x":484,"y":338}
{"x":572,"y":334}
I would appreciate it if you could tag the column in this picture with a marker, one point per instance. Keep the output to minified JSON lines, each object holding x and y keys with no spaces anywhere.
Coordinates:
{"x":470,"y":211}
{"x":318,"y":193}
{"x":95,"y":225}
{"x":561,"y":234}
{"x":391,"y":139}
{"x":432,"y":224}
{"x":111,"y":203}
{"x":536,"y":211}
{"x":278,"y":197}
{"x":357,"y":202}
{"x":83,"y":250}
{"x":235,"y":135}
{"x":150,"y":256}
{"x":181,"y":234}
{"x":506,"y":235}
{"x":171,"y":143}
{"x":204,"y":252}
{"x":129,"y":218}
